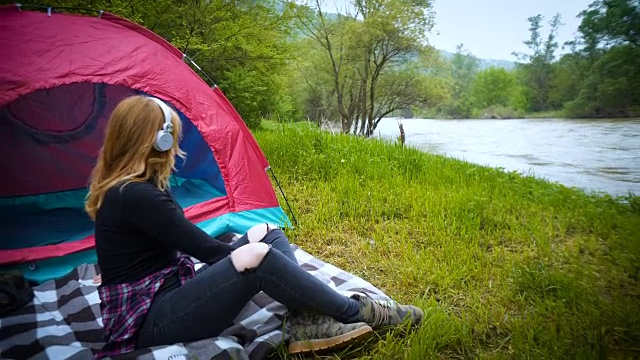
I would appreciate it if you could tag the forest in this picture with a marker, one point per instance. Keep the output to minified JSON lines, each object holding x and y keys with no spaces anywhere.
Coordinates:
{"x":291,"y":61}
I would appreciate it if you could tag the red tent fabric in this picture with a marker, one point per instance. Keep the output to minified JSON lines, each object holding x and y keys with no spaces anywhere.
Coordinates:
{"x":42,"y":52}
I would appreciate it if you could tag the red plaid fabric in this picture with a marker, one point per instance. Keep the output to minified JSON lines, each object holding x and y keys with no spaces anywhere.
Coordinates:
{"x":124,"y":307}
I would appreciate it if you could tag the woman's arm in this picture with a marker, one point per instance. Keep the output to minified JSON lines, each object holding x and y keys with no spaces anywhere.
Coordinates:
{"x":153,"y":212}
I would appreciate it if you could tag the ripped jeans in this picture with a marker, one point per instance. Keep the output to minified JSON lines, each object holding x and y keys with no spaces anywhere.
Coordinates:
{"x":206,"y":305}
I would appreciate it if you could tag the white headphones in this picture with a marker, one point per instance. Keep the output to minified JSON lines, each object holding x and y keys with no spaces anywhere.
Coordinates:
{"x":164,"y":138}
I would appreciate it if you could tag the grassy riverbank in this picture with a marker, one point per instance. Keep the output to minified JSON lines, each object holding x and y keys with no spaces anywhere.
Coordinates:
{"x":504,"y":265}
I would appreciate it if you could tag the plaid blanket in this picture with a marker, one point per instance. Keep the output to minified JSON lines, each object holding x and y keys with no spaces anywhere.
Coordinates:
{"x":63,"y":321}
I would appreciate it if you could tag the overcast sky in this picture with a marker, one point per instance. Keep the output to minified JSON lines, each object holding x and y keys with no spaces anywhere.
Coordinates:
{"x":492,"y":28}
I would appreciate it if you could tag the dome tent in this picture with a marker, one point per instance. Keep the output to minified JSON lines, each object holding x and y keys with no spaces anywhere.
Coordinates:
{"x":61,"y":75}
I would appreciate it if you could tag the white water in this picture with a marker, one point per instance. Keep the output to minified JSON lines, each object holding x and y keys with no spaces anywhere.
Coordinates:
{"x":596,"y":155}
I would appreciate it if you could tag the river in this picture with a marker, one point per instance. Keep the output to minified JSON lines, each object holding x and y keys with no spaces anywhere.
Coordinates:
{"x":595,"y":155}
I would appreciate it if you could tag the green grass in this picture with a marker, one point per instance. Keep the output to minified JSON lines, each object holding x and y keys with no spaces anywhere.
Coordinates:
{"x":550,"y":114}
{"x":505,"y":265}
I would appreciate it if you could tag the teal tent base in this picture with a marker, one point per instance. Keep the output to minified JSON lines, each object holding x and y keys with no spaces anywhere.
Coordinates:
{"x":240,"y":222}
{"x":44,"y":270}
{"x":49,"y":269}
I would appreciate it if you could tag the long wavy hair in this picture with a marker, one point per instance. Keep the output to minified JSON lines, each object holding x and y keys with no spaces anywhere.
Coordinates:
{"x":128,"y":155}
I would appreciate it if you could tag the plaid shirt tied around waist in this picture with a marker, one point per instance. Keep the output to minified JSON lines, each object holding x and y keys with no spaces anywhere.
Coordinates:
{"x":124,"y":307}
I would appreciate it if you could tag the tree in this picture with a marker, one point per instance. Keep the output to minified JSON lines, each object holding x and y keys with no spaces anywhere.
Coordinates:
{"x":568,"y":73}
{"x":331,"y":58}
{"x":493,"y":86}
{"x":609,"y":23}
{"x":360,"y":49}
{"x":458,"y":74}
{"x":311,"y":83}
{"x":464,"y":68}
{"x":537,"y":64}
{"x":243,"y":46}
{"x":610,"y":35}
{"x":405,"y":87}
{"x":394,"y":31}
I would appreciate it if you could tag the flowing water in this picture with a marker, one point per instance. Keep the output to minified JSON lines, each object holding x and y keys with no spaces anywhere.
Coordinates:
{"x":595,"y":155}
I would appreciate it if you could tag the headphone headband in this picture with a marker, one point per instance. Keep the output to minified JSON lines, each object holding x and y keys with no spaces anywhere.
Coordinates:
{"x":168,"y":125}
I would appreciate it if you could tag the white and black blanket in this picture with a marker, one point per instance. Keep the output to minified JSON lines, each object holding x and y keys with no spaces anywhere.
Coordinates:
{"x":63,"y":321}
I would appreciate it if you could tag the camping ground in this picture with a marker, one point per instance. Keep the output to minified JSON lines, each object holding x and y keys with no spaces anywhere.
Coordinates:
{"x":504,"y":265}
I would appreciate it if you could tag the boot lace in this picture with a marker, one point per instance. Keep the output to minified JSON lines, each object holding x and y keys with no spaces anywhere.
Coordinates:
{"x":381,"y":312}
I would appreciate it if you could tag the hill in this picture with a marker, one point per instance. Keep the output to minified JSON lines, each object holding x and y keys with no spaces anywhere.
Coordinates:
{"x":485,"y":63}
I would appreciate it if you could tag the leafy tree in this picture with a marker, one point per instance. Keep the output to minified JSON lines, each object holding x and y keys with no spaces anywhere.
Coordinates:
{"x":243,"y":46}
{"x":405,"y":87}
{"x":311,"y":83}
{"x":331,"y":57}
{"x":459,"y":72}
{"x":493,"y":86}
{"x":612,"y":86}
{"x":609,"y":23}
{"x":382,"y":37}
{"x":568,"y":73}
{"x":537,"y":64}
{"x":610,"y":36}
{"x":464,"y":68}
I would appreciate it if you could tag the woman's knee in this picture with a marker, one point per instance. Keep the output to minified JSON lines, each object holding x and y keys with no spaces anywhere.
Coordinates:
{"x":258,"y":232}
{"x":265,"y":233}
{"x":248,"y":257}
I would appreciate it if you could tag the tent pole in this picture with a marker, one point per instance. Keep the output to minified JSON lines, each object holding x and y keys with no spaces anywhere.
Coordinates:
{"x":185,"y":57}
{"x":295,"y":221}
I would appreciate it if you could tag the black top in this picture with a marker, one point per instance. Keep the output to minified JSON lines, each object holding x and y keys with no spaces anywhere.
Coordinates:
{"x":140,"y":229}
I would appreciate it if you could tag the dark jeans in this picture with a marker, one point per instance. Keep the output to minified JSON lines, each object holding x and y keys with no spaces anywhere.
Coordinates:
{"x":207,"y":304}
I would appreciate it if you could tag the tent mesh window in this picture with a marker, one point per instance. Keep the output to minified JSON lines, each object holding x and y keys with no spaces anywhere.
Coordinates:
{"x":51,"y":139}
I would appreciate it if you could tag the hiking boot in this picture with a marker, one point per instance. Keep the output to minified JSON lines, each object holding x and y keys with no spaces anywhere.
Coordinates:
{"x":379,"y":313}
{"x":311,"y":332}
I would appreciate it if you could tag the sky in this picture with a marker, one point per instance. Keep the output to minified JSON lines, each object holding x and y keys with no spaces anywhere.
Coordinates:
{"x":493,"y":29}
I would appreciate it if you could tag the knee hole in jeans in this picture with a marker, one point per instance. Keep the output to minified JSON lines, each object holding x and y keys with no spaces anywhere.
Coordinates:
{"x":248,"y":257}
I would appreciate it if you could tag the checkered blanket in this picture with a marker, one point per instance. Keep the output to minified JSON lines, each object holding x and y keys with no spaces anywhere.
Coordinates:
{"x":63,"y":321}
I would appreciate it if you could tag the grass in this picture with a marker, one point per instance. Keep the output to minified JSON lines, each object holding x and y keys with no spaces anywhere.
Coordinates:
{"x":505,"y":265}
{"x":549,"y":114}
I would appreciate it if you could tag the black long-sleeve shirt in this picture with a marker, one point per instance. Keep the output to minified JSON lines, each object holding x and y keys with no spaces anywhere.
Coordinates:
{"x":139,"y":230}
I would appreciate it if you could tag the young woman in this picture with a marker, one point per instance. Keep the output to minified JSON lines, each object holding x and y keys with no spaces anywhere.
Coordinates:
{"x":150,"y":293}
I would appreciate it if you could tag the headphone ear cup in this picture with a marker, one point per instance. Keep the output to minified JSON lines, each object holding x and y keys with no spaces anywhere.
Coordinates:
{"x":164,"y":141}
